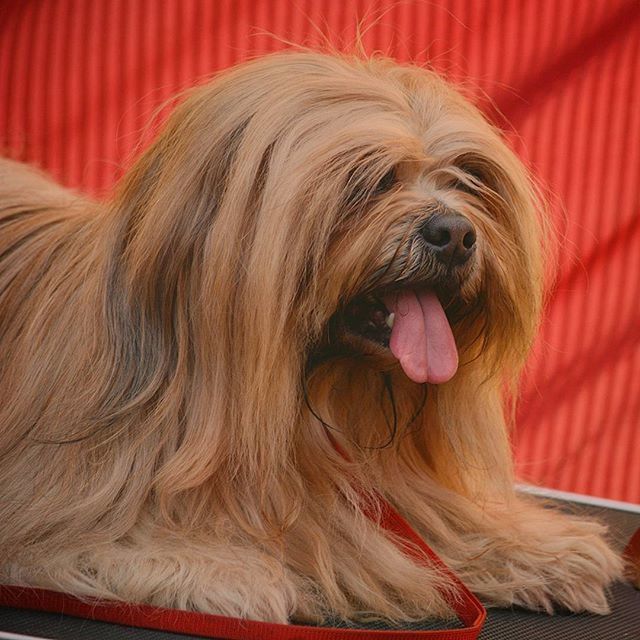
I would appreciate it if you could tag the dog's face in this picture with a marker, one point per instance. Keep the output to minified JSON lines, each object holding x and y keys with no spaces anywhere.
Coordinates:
{"x":426,"y":265}
{"x":416,"y":225}
{"x":351,"y":208}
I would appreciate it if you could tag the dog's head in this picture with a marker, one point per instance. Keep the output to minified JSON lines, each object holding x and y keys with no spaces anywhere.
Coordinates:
{"x":331,"y":209}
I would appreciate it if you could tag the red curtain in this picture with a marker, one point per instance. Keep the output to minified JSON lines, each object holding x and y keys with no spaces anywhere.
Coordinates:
{"x":80,"y":80}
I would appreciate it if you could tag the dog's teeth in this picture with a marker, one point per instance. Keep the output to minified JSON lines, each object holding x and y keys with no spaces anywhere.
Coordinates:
{"x":390,"y":318}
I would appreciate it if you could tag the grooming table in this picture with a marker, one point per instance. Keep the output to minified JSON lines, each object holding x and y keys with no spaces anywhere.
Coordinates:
{"x":501,"y":624}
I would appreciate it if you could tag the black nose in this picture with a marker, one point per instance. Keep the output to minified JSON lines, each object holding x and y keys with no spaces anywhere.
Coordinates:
{"x":450,"y":236}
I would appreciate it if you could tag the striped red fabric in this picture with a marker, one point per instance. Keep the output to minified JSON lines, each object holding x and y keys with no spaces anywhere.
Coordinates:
{"x":79,"y":82}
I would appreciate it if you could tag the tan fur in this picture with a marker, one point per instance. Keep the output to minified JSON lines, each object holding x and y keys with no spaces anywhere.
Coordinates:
{"x":165,"y":357}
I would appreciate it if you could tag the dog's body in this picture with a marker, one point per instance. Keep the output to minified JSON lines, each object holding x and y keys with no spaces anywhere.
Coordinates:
{"x":172,"y":360}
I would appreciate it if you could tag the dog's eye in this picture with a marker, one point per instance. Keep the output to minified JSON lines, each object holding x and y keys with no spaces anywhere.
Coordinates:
{"x":475,"y":176}
{"x":385,"y":183}
{"x":465,"y":187}
{"x":361,"y":190}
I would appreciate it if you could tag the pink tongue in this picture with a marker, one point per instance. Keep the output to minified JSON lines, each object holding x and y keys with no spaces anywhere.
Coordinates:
{"x":421,"y":337}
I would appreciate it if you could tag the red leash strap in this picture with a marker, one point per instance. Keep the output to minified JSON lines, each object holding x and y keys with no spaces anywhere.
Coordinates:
{"x":632,"y":555}
{"x":468,"y":608}
{"x":201,"y":624}
{"x":466,"y":605}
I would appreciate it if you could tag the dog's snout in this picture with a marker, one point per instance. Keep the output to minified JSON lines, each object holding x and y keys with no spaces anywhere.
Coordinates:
{"x":450,"y":236}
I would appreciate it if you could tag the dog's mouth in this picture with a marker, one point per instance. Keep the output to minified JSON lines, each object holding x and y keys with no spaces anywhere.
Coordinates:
{"x":412,"y":324}
{"x":369,"y":318}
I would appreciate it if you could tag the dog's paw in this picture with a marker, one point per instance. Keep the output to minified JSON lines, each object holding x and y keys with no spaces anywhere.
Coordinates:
{"x":579,"y":569}
{"x":562,"y":563}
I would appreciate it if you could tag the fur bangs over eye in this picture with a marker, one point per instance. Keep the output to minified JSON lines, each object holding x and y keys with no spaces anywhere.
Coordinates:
{"x":362,"y":185}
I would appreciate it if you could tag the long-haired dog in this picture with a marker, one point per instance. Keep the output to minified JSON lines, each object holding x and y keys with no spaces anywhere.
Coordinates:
{"x":316,"y":248}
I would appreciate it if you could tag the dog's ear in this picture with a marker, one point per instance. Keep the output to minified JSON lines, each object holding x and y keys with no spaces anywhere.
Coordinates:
{"x":507,"y":210}
{"x":157,"y":229}
{"x":168,"y":201}
{"x":516,"y":282}
{"x":184,"y":261}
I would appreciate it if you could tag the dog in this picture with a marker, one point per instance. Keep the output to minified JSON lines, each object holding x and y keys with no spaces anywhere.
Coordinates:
{"x":317,"y":249}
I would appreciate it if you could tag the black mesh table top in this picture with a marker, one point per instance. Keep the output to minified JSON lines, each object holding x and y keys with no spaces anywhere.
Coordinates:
{"x":501,"y":624}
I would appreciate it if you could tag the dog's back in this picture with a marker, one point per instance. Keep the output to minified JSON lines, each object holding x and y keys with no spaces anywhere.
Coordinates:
{"x":35,"y":217}
{"x":44,"y":246}
{"x":40,"y":235}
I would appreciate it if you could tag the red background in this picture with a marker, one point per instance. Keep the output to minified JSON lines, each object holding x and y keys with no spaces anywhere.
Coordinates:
{"x":79,"y":81}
